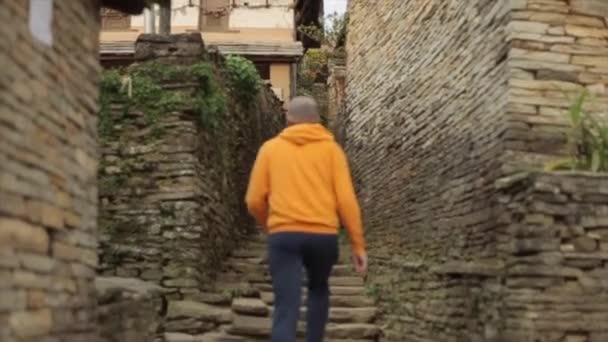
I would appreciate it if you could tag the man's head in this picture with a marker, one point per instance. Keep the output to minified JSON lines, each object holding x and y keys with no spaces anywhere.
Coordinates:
{"x":303,"y":109}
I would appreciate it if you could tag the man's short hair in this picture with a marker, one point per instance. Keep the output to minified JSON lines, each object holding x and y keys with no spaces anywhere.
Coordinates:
{"x":303,"y":109}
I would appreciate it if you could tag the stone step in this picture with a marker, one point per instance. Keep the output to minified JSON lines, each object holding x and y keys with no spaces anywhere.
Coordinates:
{"x":221,"y":337}
{"x":257,"y":266}
{"x":250,"y":326}
{"x":333,"y":281}
{"x":346,"y":281}
{"x":354,"y":330}
{"x":179,"y":337}
{"x":345,"y":315}
{"x":353,"y":315}
{"x":335,"y":300}
{"x":335,"y":290}
{"x":199,"y":311}
{"x":250,"y":306}
{"x":261,"y":326}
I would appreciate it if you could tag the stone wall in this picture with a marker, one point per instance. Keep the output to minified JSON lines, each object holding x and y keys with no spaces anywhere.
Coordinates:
{"x":425,"y":96}
{"x":129,"y":310}
{"x":442,"y":99}
{"x":335,"y":98}
{"x":554,"y":233}
{"x":558,"y":48}
{"x":172,"y":206}
{"x":48,"y":167}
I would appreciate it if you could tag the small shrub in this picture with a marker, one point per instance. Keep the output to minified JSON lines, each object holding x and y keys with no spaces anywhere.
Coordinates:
{"x":588,"y":140}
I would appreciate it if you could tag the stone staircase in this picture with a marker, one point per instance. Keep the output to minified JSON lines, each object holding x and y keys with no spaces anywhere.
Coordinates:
{"x":239,"y":308}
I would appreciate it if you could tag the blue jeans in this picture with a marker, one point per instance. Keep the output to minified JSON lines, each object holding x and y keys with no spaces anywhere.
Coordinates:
{"x":289,"y":253}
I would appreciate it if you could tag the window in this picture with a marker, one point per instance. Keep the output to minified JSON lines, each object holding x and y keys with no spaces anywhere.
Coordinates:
{"x":114,"y":20}
{"x":264,"y":70}
{"x":214,"y":15}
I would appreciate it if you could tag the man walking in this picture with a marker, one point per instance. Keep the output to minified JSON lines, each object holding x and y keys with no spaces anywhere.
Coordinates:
{"x":299,"y":190}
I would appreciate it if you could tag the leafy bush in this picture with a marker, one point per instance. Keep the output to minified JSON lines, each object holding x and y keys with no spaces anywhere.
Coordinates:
{"x":243,"y":79}
{"x":588,"y":140}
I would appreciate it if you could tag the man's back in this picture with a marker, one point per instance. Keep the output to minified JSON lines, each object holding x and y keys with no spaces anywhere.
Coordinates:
{"x":301,"y":183}
{"x":301,"y":165}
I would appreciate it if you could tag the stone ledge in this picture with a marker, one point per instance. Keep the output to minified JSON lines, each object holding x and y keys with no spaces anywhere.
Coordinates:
{"x":108,"y":286}
{"x":588,"y":256}
{"x":484,"y":268}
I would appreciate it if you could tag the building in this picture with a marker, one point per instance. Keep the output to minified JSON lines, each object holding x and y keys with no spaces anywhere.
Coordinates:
{"x":262,"y":30}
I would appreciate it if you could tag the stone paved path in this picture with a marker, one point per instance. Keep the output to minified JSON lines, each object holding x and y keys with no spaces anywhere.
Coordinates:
{"x":240,"y":308}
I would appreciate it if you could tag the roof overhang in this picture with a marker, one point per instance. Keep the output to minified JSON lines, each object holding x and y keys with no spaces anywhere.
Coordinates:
{"x":126,"y":48}
{"x":262,"y":50}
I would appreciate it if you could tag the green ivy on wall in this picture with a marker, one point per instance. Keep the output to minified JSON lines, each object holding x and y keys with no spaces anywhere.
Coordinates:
{"x":146,"y":87}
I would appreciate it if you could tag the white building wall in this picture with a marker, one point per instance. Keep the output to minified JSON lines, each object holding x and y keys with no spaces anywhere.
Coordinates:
{"x":271,"y":18}
{"x":255,"y":14}
{"x":181,"y":15}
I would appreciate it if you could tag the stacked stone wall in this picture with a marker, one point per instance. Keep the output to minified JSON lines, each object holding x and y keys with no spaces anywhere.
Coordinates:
{"x":129,"y":310}
{"x":442,"y":99}
{"x":426,"y":92}
{"x":558,"y":49}
{"x":554,"y":234}
{"x":172,"y":206}
{"x":48,"y":167}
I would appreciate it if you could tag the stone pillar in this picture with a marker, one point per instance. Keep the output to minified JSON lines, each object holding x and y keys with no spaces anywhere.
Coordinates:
{"x":164,"y":22}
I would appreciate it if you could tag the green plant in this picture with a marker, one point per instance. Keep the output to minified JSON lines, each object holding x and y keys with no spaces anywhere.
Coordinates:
{"x":588,"y":140}
{"x":110,"y":184}
{"x":110,"y":85}
{"x":143,"y":87}
{"x":374,"y":291}
{"x":312,"y":69}
{"x":209,"y":100}
{"x":243,"y":79}
{"x":331,"y":35}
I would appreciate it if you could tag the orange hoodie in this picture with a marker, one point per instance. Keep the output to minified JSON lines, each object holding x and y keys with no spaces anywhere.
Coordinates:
{"x":301,"y":183}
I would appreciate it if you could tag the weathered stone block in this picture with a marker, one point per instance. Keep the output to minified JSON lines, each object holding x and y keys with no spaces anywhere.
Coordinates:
{"x":31,"y":324}
{"x":200,"y":311}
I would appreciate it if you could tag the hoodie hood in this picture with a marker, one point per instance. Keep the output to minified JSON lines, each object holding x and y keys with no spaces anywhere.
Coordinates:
{"x":302,"y":134}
